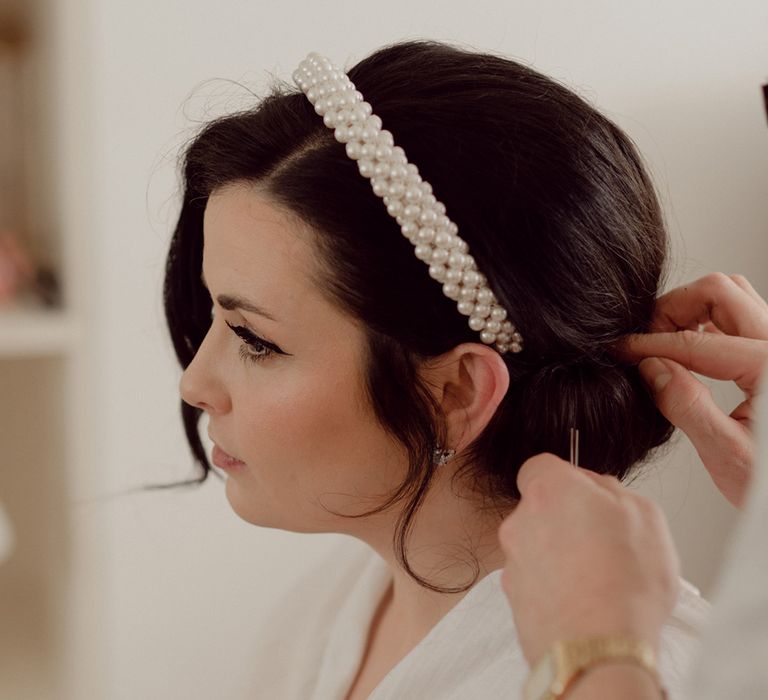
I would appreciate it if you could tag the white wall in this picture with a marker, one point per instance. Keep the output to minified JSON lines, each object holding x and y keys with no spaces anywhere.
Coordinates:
{"x":169,"y":586}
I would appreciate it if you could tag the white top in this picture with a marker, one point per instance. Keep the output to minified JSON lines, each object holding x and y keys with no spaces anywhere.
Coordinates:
{"x":314,"y":642}
{"x":734,"y":658}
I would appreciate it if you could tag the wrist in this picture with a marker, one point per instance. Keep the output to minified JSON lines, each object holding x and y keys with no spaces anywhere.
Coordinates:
{"x":616,"y":678}
{"x":555,"y":674}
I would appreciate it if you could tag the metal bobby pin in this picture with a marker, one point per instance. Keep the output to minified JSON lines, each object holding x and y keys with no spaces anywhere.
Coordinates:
{"x":574,"y":446}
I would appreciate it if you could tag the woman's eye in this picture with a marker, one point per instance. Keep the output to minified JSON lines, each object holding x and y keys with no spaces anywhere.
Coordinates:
{"x":253,"y":349}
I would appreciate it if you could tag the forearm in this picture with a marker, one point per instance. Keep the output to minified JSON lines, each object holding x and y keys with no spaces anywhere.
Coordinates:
{"x":615,"y":680}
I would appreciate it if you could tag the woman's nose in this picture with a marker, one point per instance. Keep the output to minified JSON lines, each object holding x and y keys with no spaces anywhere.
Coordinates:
{"x":201,"y":386}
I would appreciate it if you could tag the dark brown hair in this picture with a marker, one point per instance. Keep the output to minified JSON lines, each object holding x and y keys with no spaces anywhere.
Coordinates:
{"x":556,"y":207}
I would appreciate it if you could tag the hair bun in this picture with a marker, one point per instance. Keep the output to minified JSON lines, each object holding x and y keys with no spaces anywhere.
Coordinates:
{"x":595,"y":397}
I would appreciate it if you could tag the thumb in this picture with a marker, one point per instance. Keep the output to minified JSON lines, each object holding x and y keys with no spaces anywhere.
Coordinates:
{"x":688,"y":404}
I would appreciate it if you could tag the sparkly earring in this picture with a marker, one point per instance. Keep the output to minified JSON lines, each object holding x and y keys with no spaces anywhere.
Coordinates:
{"x":443,"y":456}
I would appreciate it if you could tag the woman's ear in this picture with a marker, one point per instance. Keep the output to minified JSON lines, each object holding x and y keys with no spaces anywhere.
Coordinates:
{"x":469,"y":383}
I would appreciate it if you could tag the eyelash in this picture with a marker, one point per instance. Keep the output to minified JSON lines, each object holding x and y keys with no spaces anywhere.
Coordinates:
{"x":251,"y":341}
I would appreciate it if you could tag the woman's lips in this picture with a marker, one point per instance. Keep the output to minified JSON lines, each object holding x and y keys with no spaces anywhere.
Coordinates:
{"x":224,"y":461}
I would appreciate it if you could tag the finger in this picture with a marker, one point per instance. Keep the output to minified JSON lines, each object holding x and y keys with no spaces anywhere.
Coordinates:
{"x":689,"y":405}
{"x":546,"y":471}
{"x":604,"y":481}
{"x":717,"y":356}
{"x":715,"y":297}
{"x":742,"y":282}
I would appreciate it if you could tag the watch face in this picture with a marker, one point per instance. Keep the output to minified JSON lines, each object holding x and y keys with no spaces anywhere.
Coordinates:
{"x":539,"y":683}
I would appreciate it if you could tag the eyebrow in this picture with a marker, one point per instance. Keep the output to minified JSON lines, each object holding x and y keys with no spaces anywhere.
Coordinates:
{"x":230,"y":303}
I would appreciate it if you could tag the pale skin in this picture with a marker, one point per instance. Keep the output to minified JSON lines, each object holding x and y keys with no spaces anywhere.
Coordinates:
{"x":621,"y":575}
{"x":300,"y":424}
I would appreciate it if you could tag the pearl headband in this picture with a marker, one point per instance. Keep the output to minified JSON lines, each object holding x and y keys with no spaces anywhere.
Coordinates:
{"x":408,"y":198}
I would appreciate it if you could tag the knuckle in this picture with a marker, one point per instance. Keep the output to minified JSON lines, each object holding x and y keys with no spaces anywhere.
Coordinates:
{"x":716,"y":281}
{"x":740,"y":280}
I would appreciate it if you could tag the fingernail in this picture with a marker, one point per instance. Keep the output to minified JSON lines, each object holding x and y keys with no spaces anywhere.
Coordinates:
{"x":655,"y":372}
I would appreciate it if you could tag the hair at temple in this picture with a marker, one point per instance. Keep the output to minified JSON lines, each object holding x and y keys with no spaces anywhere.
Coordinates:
{"x":556,"y":207}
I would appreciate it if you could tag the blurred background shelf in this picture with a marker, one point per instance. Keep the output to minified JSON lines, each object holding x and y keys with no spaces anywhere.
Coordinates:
{"x":30,"y":331}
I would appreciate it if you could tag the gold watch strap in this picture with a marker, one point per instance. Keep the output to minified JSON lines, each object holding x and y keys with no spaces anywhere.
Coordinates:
{"x":568,"y":660}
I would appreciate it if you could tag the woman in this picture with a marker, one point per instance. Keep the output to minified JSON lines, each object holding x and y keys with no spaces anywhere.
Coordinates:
{"x":362,"y":403}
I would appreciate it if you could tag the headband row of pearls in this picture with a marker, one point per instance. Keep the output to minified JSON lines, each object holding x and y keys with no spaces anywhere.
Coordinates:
{"x":408,"y":198}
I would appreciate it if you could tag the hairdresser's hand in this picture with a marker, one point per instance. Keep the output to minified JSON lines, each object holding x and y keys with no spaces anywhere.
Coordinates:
{"x":733,"y":346}
{"x":585,"y":556}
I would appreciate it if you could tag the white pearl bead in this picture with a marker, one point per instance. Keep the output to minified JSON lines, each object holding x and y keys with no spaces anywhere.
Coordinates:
{"x":381,"y":170}
{"x":463,"y":246}
{"x":488,"y":337}
{"x":468,"y":293}
{"x":508,"y":327}
{"x":428,"y":216}
{"x":380,"y":186}
{"x":498,"y":313}
{"x":504,"y":337}
{"x":483,"y":310}
{"x":456,"y":260}
{"x":367,"y":151}
{"x":476,"y":323}
{"x":385,"y":138}
{"x":411,"y":211}
{"x":502,"y":347}
{"x":453,"y":275}
{"x":426,"y":234}
{"x":493,"y":326}
{"x":443,"y":240}
{"x":365,"y":167}
{"x":396,"y":190}
{"x":437,"y":272}
{"x":429,"y":200}
{"x":398,"y":155}
{"x":516,"y":347}
{"x":471,"y":278}
{"x":383,"y":152}
{"x":451,"y":290}
{"x":395,"y":207}
{"x":484,"y":296}
{"x":412,"y":194}
{"x":466,"y":307}
{"x":409,"y":228}
{"x":353,"y":150}
{"x":440,"y":255}
{"x":424,"y":252}
{"x":398,"y":172}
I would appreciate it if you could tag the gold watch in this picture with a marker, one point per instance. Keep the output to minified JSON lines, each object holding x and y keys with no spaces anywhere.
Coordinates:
{"x":559,"y":668}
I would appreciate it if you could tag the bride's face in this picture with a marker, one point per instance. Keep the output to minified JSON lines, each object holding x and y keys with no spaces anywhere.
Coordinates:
{"x":290,"y":404}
